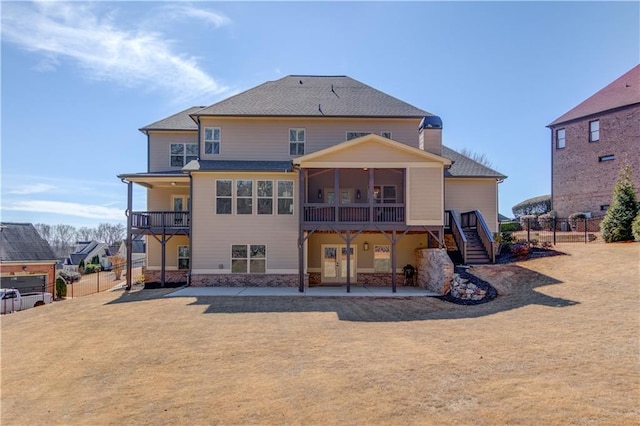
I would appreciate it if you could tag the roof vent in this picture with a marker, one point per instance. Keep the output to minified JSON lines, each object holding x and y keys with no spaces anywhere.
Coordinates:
{"x":430,"y":122}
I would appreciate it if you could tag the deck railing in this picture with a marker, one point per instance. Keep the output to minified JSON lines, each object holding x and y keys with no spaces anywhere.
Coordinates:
{"x":354,"y":213}
{"x":155,"y":220}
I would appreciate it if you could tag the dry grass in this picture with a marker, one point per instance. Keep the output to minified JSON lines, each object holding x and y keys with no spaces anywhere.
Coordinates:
{"x":559,"y":346}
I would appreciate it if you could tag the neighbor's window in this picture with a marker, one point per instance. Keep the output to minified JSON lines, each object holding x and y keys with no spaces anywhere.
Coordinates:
{"x":249,"y":258}
{"x":223,"y":196}
{"x":244,"y":197}
{"x":594,"y":131}
{"x":285,"y":197}
{"x":560,"y":139}
{"x":296,"y":141}
{"x":183,"y":257}
{"x":382,"y":258}
{"x":604,"y":158}
{"x":604,"y":207}
{"x":353,"y":135}
{"x":182,"y":153}
{"x":386,"y":135}
{"x":212,"y":140}
{"x":265,"y":196}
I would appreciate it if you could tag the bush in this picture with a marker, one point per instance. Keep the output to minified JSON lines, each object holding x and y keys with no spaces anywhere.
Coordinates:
{"x":520,"y":250}
{"x":61,"y":288}
{"x":546,"y":220}
{"x":573,"y":219}
{"x":635,"y":228}
{"x":528,"y":221}
{"x":509,"y":227}
{"x":95,"y":260}
{"x":617,"y":223}
{"x":547,"y":245}
{"x":91,"y":268}
{"x":139,"y":279}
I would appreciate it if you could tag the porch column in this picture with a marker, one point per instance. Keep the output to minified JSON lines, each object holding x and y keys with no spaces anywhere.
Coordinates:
{"x":164,"y":253}
{"x":348,"y":261}
{"x":336,"y":194}
{"x":370,"y":195}
{"x":393,"y":261}
{"x":128,"y":243}
{"x":301,"y":197}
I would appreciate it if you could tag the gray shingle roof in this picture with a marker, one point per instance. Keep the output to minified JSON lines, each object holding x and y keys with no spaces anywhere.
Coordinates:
{"x":466,"y":167}
{"x":178,"y":121}
{"x":21,"y":242}
{"x":246,"y":166}
{"x":313,"y":96}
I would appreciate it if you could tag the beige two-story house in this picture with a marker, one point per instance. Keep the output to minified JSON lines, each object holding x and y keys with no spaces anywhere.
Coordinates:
{"x":307,"y":180}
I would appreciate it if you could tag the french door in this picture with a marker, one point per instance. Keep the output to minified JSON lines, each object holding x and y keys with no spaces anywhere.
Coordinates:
{"x":334,"y":263}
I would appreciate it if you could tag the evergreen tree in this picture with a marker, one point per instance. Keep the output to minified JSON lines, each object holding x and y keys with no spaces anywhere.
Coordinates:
{"x":617,"y":223}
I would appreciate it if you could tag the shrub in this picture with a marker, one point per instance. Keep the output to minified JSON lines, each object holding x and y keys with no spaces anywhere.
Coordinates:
{"x":635,"y":228}
{"x":509,"y":227}
{"x":139,"y":279}
{"x":617,"y":223}
{"x":528,"y":221}
{"x":69,"y":276}
{"x":520,"y":250}
{"x":573,"y":219}
{"x":547,"y":245}
{"x":546,"y":220}
{"x":61,"y":288}
{"x":91,"y":268}
{"x":534,"y":242}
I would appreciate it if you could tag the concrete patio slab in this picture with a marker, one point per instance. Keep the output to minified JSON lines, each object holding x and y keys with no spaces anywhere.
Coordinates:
{"x":319,"y":291}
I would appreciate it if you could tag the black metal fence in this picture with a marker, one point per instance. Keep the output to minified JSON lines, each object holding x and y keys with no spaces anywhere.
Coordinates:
{"x":99,"y":281}
{"x":553,"y":230}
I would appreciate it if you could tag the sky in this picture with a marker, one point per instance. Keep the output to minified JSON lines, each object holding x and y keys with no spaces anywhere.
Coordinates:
{"x":78,"y":79}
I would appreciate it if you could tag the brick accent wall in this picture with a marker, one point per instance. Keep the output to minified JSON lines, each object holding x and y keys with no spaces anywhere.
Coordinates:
{"x":580,"y":183}
{"x":244,"y":280}
{"x":179,"y":276}
{"x":377,"y":279}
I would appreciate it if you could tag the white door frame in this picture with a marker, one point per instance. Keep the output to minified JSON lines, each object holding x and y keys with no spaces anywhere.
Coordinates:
{"x":339,"y":273}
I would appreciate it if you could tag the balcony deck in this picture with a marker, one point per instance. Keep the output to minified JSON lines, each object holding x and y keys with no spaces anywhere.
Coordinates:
{"x":161,"y":222}
{"x":316,"y":213}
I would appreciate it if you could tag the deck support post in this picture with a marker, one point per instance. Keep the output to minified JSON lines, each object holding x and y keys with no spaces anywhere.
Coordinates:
{"x":394,"y":261}
{"x":128,"y":243}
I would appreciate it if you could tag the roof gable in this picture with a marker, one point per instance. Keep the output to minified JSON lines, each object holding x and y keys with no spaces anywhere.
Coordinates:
{"x":463,"y":166}
{"x":21,"y":242}
{"x":179,"y":121}
{"x":370,"y":149}
{"x":622,"y":92}
{"x":313,"y":96}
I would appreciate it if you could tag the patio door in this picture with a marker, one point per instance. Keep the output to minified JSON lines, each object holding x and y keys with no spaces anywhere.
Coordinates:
{"x":334,"y":263}
{"x":181,"y":203}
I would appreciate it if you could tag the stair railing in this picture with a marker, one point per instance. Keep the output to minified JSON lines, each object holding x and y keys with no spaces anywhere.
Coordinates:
{"x":485,"y":235}
{"x":458,"y":234}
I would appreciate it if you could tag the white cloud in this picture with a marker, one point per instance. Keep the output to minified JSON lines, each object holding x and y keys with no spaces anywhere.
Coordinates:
{"x":31,"y":189}
{"x":181,"y":10}
{"x":133,"y":58}
{"x":66,"y":208}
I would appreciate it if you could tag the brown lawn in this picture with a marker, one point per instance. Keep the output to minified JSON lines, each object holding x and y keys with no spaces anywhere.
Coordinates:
{"x":560,"y":345}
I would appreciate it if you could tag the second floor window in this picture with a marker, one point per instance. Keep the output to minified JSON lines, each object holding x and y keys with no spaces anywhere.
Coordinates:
{"x":244,"y":197}
{"x":285,"y":197}
{"x":223,"y":196}
{"x":560,"y":139}
{"x":297,"y":138}
{"x":594,"y":131}
{"x":212,"y":140}
{"x":182,"y":153}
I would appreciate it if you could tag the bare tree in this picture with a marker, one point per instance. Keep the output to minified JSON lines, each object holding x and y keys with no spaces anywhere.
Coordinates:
{"x":45,"y":231}
{"x":480,"y":158}
{"x":86,"y":234}
{"x":63,"y":237}
{"x":110,"y":233}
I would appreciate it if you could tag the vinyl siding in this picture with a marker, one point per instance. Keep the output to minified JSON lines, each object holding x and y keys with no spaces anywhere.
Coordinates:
{"x":463,"y":195}
{"x":369,"y":153}
{"x":268,"y":138}
{"x":424,"y":206}
{"x":161,"y":199}
{"x":214,"y":234}
{"x":430,"y":140}
{"x":160,"y":148}
{"x":154,"y":252}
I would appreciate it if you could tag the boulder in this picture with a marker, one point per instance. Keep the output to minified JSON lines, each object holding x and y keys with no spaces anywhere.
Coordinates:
{"x":435,"y":270}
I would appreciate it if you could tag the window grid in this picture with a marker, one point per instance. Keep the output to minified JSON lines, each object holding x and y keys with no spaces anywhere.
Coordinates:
{"x":297,"y":138}
{"x":248,"y":258}
{"x":560,"y":138}
{"x":594,"y":131}
{"x":212,"y":140}
{"x":285,"y":197}
{"x":244,"y":196}
{"x":264,"y":194}
{"x":224,"y":196}
{"x":182,"y":153}
{"x":382,"y":258}
{"x":183,"y":257}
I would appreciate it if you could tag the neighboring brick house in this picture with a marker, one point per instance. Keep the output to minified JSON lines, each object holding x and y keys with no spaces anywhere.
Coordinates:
{"x":26,"y":260}
{"x":305,"y":180}
{"x":591,"y":143}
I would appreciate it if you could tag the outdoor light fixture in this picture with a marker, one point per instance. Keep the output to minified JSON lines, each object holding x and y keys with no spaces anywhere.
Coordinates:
{"x":365,"y":246}
{"x":358,"y":195}
{"x":320,"y":193}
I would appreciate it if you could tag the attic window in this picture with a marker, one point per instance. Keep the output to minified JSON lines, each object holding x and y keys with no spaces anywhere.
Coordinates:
{"x":604,"y":158}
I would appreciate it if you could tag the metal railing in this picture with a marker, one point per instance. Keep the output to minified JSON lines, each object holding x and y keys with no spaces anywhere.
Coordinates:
{"x":485,"y":235}
{"x":160,"y":219}
{"x":458,"y":234}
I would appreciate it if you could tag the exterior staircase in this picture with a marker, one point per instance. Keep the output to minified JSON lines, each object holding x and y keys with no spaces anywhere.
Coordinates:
{"x":476,"y":252}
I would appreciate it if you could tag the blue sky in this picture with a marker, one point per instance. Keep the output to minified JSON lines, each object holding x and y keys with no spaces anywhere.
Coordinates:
{"x":79,"y":79}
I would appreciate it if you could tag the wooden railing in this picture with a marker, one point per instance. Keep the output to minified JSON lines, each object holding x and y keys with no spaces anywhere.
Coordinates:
{"x":155,"y":220}
{"x":458,"y":234}
{"x":474,"y":219}
{"x":354,"y":213}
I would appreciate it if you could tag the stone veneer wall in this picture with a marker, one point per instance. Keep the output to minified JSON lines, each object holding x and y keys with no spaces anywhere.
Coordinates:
{"x":245,"y":280}
{"x":435,"y":270}
{"x":377,"y":279}
{"x":179,"y":276}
